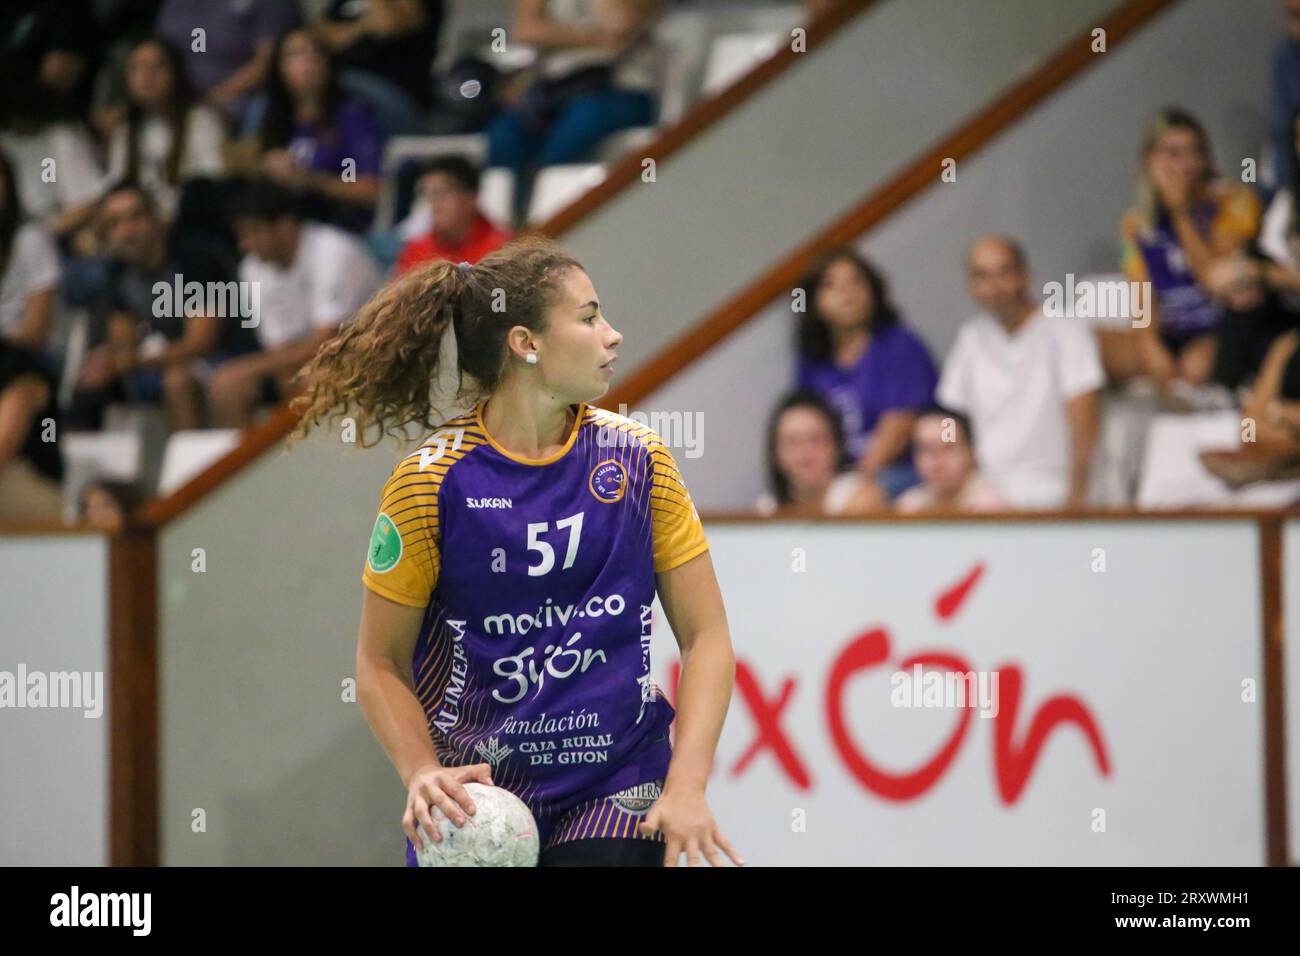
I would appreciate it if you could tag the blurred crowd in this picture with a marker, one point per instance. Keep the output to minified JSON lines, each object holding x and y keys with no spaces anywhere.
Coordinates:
{"x":1010,"y":418}
{"x":188,"y":191}
{"x":194,"y":194}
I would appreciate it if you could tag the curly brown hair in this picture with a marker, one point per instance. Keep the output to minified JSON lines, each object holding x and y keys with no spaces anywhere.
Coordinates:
{"x":385,"y":363}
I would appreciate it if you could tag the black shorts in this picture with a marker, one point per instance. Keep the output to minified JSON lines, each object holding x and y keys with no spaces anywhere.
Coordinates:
{"x":1176,"y":342}
{"x":604,"y":851}
{"x":599,"y":832}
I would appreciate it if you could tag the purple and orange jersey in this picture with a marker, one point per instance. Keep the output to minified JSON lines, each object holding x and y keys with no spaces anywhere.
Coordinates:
{"x":1227,"y":218}
{"x":537,"y":577}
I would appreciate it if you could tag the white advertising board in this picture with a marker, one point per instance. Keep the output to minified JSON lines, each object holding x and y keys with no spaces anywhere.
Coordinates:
{"x":1122,"y":722}
{"x":54,"y":715}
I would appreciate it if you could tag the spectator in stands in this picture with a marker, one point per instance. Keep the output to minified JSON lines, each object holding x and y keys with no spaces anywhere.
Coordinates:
{"x":1258,"y":290}
{"x":385,"y":51}
{"x":29,"y":271}
{"x":855,"y":351}
{"x":317,"y":141}
{"x":36,"y":145}
{"x":58,"y":179}
{"x":55,"y":45}
{"x":1250,"y":290}
{"x":106,"y":504}
{"x":1285,"y":96}
{"x":460,"y":232}
{"x":596,"y":73}
{"x":312,"y":278}
{"x":158,"y":348}
{"x":1279,"y":236}
{"x":120,"y":25}
{"x":238,"y":37}
{"x":1273,"y":409}
{"x":1028,"y":382}
{"x":31,"y":467}
{"x":1184,"y":222}
{"x":806,"y":463}
{"x":945,"y":459}
{"x":167,"y":136}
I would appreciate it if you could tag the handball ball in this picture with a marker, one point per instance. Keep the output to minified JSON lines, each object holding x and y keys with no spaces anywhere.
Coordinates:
{"x":502,"y":832}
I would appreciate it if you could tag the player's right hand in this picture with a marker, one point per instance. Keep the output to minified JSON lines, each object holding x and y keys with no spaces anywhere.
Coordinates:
{"x":444,"y":787}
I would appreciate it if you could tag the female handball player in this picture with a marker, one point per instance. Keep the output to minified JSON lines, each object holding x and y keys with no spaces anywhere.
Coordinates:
{"x":505,"y":625}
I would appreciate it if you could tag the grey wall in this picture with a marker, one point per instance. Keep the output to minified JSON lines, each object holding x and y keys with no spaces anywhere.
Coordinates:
{"x":54,"y":761}
{"x":254,"y":730}
{"x":1060,"y":179}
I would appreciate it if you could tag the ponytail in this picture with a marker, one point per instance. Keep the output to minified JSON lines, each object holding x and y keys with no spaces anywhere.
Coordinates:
{"x":385,"y":363}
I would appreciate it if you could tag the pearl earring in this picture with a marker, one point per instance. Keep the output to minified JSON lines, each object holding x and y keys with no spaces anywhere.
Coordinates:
{"x":531,"y":358}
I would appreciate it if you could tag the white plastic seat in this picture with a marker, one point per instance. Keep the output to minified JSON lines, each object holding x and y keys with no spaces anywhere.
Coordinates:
{"x":734,"y":55}
{"x":113,"y":455}
{"x":496,"y":195}
{"x":1125,"y":421}
{"x":1173,"y":476}
{"x":557,"y":186}
{"x":190,"y":452}
{"x":684,"y":38}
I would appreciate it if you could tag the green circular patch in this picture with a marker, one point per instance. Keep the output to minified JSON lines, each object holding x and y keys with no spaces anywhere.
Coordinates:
{"x":385,"y":545}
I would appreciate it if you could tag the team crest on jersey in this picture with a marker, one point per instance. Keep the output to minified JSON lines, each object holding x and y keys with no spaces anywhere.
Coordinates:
{"x":608,"y":481}
{"x":385,"y":545}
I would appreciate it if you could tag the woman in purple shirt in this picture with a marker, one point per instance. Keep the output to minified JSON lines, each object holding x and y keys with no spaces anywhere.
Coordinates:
{"x":855,"y":352}
{"x":315,"y":141}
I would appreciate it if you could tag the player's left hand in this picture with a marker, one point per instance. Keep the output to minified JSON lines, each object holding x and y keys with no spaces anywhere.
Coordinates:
{"x":683,"y":817}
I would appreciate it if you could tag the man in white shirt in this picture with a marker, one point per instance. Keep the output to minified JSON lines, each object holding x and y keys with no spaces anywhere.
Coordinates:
{"x":1029,"y":383}
{"x":304,"y":279}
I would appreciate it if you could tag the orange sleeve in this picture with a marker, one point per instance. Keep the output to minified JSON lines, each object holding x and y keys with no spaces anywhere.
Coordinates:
{"x":678,"y":532}
{"x":402,"y":561}
{"x":1132,"y":261}
{"x":1238,"y":220}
